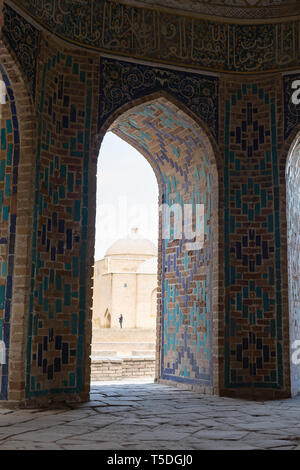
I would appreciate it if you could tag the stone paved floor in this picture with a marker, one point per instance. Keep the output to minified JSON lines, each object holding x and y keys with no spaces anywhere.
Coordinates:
{"x":146,"y":416}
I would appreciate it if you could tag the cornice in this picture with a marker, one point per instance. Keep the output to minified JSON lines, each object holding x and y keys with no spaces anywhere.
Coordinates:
{"x":163,"y":36}
{"x":240,"y":12}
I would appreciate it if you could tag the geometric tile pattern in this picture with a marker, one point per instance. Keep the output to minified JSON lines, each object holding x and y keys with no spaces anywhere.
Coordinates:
{"x":9,"y":161}
{"x":55,"y":354}
{"x":291,"y":110}
{"x":174,"y":147}
{"x":122,"y":82}
{"x":58,"y":299}
{"x":253,"y":321}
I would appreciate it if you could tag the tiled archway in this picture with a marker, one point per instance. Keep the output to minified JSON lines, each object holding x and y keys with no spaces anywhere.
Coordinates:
{"x":182,"y":158}
{"x":293,"y":241}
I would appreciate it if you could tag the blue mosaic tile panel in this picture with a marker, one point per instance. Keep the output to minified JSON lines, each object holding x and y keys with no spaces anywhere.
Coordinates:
{"x":9,"y":161}
{"x":123,"y":82}
{"x":55,"y":351}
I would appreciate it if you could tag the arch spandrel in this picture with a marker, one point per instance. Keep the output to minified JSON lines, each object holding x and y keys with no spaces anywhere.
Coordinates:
{"x":217,"y":44}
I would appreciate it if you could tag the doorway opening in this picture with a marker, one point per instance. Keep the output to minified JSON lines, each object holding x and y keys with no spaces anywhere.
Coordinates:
{"x":125,"y":270}
{"x":187,"y":306}
{"x":293,"y":241}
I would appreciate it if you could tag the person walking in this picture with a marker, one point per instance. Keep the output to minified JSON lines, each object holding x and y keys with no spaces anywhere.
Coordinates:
{"x":121,"y":320}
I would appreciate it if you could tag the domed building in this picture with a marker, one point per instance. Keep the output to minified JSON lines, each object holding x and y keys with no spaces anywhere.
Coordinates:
{"x":125,"y":283}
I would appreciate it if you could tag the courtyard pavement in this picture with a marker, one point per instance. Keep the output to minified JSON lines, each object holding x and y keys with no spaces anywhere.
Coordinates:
{"x":141,"y":415}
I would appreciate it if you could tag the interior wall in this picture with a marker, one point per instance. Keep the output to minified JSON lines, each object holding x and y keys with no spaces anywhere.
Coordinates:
{"x":253,"y":320}
{"x":78,"y":96}
{"x":16,"y":208}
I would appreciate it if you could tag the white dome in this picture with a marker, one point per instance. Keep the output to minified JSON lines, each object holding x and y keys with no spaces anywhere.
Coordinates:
{"x":148,"y":267}
{"x":132,"y":245}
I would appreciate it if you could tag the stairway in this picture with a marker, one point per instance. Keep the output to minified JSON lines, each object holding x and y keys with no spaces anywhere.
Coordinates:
{"x":123,"y":342}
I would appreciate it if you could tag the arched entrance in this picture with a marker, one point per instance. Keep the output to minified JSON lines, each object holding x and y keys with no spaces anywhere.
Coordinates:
{"x":293,"y":242}
{"x":181,"y":156}
{"x":107,"y":320}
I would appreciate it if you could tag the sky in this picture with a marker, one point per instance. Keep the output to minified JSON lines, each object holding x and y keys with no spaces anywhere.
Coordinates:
{"x":127,"y":194}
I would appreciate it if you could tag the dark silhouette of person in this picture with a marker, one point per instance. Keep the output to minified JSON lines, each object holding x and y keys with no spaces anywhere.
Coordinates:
{"x":121,"y":320}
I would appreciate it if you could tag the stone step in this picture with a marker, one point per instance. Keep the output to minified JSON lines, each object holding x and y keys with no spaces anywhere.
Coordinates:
{"x":117,"y":369}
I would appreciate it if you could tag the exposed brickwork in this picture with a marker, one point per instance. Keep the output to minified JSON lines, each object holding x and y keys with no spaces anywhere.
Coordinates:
{"x":118,"y":369}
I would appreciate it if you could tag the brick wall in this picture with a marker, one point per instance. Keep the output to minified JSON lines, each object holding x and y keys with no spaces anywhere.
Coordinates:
{"x":59,"y":317}
{"x":17,"y":155}
{"x":118,"y":369}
